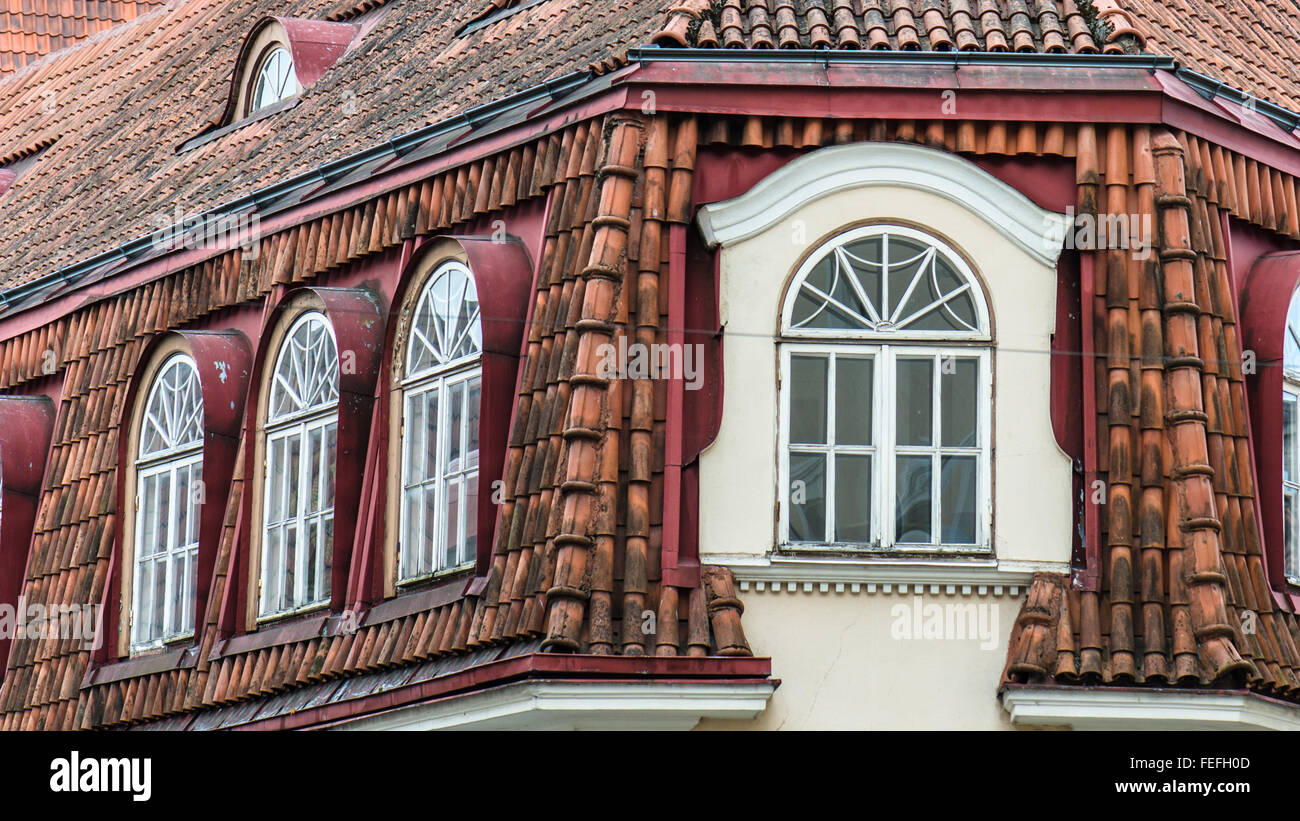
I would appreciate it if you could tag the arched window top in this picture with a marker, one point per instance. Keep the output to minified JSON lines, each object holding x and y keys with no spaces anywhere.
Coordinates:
{"x":1291,"y":345}
{"x":886,"y":282}
{"x":274,"y":80}
{"x":447,"y":328}
{"x":173,"y":414}
{"x":306,"y":376}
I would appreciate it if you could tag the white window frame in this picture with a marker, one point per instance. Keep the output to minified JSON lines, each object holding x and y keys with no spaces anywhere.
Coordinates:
{"x":299,"y":425}
{"x":885,"y":449}
{"x":170,"y":462}
{"x":288,"y":85}
{"x":1291,"y":559}
{"x":886,"y":345}
{"x":440,"y":378}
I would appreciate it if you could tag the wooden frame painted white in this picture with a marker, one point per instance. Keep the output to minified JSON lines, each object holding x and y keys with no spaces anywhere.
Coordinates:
{"x":299,"y":489}
{"x":886,"y":341}
{"x":441,"y":361}
{"x":1291,"y":442}
{"x":166,"y":492}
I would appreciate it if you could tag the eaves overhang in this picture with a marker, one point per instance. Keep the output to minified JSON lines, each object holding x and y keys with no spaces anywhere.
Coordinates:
{"x":491,"y":689}
{"x":1144,"y":708}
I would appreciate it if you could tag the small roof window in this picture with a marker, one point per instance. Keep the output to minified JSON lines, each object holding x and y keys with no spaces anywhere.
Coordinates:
{"x":274,"y":81}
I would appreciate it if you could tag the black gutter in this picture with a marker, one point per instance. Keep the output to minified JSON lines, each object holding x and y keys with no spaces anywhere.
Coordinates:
{"x":648,"y":54}
{"x":471,"y":118}
{"x":261,"y":198}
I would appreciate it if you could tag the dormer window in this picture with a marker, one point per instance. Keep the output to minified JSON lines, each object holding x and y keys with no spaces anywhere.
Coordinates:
{"x":275,"y":79}
{"x":282,"y":58}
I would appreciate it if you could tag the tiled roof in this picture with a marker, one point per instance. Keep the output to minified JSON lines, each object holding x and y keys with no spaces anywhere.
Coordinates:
{"x":1181,"y":563}
{"x":121,"y":105}
{"x":1249,"y":44}
{"x":1048,"y":26}
{"x":577,"y":553}
{"x":32,"y":28}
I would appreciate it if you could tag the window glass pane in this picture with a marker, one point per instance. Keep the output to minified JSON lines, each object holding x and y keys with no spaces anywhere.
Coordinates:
{"x":471,"y":414}
{"x":330,"y":466}
{"x":1291,"y":515}
{"x":807,"y":497}
{"x":853,"y":395}
{"x":313,"y":558}
{"x":957,"y":493}
{"x":452,"y":513}
{"x":912,"y":516}
{"x":456,"y":411}
{"x":1289,"y":420}
{"x":293,"y":475}
{"x":808,"y":399}
{"x":915,"y":402}
{"x":432,"y":433}
{"x":314,"y":463}
{"x":292,"y":568}
{"x":471,"y":519}
{"x":164,"y":511}
{"x":272,"y":568}
{"x":959,"y":395}
{"x":275,"y":489}
{"x":853,"y":498}
{"x":414,"y":438}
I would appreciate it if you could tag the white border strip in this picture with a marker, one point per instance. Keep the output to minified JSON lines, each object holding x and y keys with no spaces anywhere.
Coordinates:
{"x":1103,"y":709}
{"x":559,"y":705}
{"x":1037,"y":230}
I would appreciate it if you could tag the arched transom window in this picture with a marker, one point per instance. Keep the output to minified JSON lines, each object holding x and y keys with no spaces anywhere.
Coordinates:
{"x":440,"y":426}
{"x":885,"y":397}
{"x":301,"y":445}
{"x":274,"y":80}
{"x":1291,"y":440}
{"x":169,"y":470}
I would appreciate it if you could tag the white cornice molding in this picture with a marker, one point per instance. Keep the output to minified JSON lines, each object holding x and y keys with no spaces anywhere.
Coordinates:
{"x":1083,"y":708}
{"x":948,"y":576}
{"x":561,"y":705}
{"x":1038,"y":231}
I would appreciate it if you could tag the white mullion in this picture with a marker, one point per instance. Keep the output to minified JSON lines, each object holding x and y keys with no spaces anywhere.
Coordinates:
{"x":936,"y":461}
{"x":462,"y":538}
{"x":888,"y":426}
{"x":828,"y":485}
{"x":783,"y":443}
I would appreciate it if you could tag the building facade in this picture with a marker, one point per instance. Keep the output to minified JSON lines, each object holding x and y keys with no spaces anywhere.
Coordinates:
{"x":778,"y":364}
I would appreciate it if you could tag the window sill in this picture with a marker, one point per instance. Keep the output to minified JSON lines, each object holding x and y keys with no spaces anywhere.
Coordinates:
{"x":964,"y":574}
{"x":177,"y":658}
{"x":308,"y":625}
{"x":221,"y":131}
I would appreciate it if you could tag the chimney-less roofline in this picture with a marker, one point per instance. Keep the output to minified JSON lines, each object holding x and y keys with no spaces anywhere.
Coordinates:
{"x":566,"y":84}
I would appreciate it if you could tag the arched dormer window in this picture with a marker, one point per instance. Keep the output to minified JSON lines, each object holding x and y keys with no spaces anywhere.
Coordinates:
{"x":441,"y":392}
{"x":274,"y":79}
{"x":301,"y":449}
{"x":168,"y":482}
{"x":885,"y":404}
{"x":1291,"y":441}
{"x":280,"y":59}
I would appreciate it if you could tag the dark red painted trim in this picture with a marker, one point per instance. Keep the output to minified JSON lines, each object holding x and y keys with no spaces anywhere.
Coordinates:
{"x":223,"y":362}
{"x":533,"y":667}
{"x":26,"y":427}
{"x":1088,"y":576}
{"x":1267,"y":296}
{"x":357,"y":317}
{"x":679,"y":570}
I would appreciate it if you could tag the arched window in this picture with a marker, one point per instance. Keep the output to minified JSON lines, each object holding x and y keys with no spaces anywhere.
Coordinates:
{"x":885,"y":397}
{"x":440,"y":391}
{"x":274,"y":80}
{"x":301,"y":444}
{"x":1291,"y":441}
{"x":169,"y":469}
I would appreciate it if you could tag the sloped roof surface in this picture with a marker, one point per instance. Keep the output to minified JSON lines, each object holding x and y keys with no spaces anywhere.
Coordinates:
{"x":120,"y":105}
{"x":32,"y":28}
{"x":119,"y":108}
